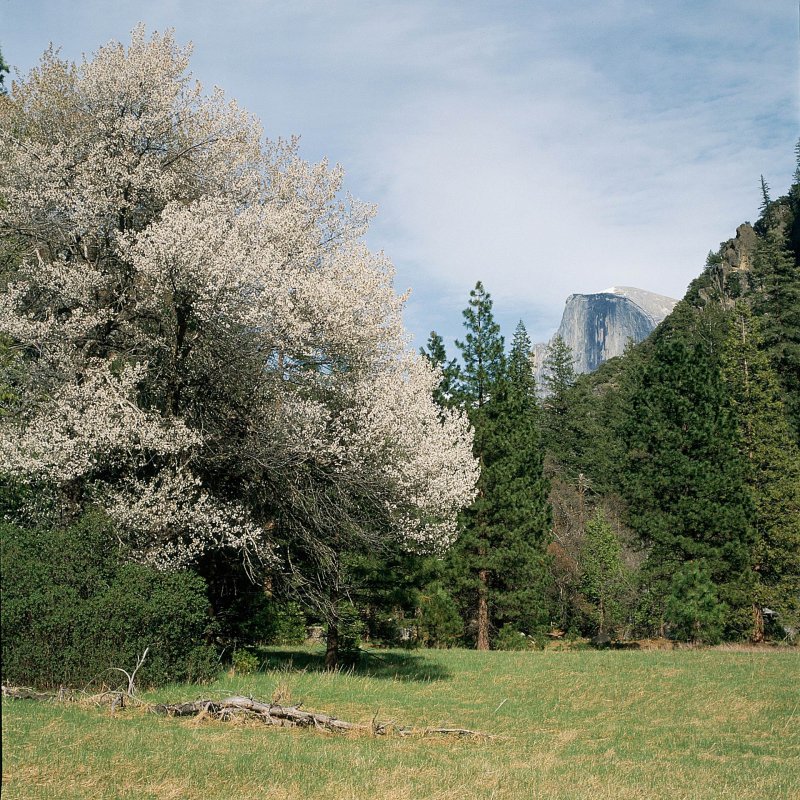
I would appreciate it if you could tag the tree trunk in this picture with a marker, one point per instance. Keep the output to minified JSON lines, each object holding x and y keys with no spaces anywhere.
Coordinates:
{"x":332,"y":639}
{"x":758,"y":624}
{"x":602,"y":616}
{"x":483,"y":610}
{"x":332,"y":649}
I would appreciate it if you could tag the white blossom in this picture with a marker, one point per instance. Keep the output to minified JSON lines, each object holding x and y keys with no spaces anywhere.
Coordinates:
{"x":87,"y":424}
{"x":173,"y":520}
{"x":200,"y":318}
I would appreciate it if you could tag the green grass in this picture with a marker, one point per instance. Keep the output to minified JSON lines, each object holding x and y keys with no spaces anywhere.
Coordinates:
{"x":571,"y":724}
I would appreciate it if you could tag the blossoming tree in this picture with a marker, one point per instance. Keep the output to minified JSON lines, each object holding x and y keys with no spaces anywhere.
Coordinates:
{"x":208,"y":349}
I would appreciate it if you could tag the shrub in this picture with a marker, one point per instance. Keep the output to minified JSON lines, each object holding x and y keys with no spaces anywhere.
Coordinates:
{"x":603,"y":578}
{"x":202,"y":664}
{"x":692,"y":611}
{"x":73,"y":609}
{"x":509,"y":638}
{"x":438,"y":623}
{"x":244,"y":662}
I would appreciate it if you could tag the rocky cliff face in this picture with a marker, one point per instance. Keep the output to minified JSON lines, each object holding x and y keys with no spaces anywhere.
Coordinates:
{"x":598,"y":326}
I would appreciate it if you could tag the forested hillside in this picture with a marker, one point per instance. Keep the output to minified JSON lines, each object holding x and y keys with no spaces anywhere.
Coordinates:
{"x":690,"y":443}
{"x":673,"y":470}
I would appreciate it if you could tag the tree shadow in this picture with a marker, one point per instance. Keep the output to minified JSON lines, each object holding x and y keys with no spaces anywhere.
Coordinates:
{"x":387,"y":664}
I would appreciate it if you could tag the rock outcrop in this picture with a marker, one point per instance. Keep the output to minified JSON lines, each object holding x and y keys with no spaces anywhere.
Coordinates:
{"x":597,"y":327}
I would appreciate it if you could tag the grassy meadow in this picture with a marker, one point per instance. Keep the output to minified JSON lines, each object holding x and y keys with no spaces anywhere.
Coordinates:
{"x":716,"y":723}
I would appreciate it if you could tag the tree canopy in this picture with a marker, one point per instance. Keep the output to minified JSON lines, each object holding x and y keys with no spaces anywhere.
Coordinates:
{"x":211,"y":353}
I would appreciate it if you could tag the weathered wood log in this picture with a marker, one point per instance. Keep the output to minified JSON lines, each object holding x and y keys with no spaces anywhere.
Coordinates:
{"x":266,"y":713}
{"x":292,"y":716}
{"x":23,"y":693}
{"x":270,"y":713}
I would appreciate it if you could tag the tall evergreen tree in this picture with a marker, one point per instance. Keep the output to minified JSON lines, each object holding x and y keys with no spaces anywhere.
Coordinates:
{"x":520,"y":366}
{"x":520,"y":516}
{"x":776,"y":300}
{"x":445,"y":394}
{"x":559,"y":368}
{"x":498,"y":566}
{"x":684,"y":479}
{"x":772,"y":462}
{"x":482,"y":351}
{"x":558,"y":378}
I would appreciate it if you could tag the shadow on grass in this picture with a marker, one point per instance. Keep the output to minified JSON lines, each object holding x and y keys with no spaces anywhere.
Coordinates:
{"x":393,"y":665}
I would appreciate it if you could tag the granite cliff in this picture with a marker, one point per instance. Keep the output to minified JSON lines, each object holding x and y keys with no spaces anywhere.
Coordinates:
{"x":597,"y":327}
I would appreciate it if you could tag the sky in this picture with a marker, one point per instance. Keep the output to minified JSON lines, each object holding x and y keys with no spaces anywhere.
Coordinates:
{"x":544,"y":148}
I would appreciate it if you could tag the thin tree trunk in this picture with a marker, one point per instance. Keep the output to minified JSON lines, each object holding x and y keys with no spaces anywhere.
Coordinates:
{"x":758,"y":624}
{"x":332,"y":649}
{"x":602,"y":617}
{"x":483,"y":610}
{"x":332,"y":639}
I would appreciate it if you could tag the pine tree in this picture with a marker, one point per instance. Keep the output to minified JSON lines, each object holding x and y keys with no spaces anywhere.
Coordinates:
{"x":684,"y":479}
{"x":766,"y":201}
{"x":445,"y":394}
{"x":559,"y":366}
{"x":482,"y":350}
{"x":520,"y":515}
{"x":482,"y":353}
{"x":498,"y":567}
{"x":776,"y":300}
{"x":772,"y":463}
{"x":559,"y":377}
{"x":693,"y":611}
{"x":520,"y":365}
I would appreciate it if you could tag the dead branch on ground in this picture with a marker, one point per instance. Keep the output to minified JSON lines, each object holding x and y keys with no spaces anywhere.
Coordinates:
{"x":248,"y":708}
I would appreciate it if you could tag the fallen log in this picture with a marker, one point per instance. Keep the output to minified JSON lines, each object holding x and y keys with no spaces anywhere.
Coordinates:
{"x":23,"y":693}
{"x":293,"y":716}
{"x":249,"y":708}
{"x":270,"y":713}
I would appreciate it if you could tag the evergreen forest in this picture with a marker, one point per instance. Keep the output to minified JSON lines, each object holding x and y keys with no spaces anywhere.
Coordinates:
{"x":656,"y":497}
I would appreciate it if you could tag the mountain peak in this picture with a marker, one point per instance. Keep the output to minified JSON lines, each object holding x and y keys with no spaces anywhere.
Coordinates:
{"x":656,"y":306}
{"x":598,"y":326}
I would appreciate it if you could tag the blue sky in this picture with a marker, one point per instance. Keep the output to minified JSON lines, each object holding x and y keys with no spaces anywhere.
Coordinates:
{"x":542,"y":147}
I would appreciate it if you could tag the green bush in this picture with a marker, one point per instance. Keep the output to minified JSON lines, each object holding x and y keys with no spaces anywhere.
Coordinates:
{"x":244,"y":662}
{"x":438,"y":622}
{"x":693,"y":611}
{"x":201,"y":664}
{"x":73,"y":609}
{"x":509,"y":638}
